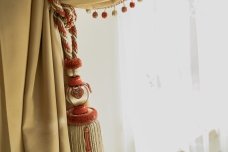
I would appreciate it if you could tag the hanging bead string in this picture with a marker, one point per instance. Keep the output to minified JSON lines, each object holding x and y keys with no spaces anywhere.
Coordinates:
{"x":124,"y":8}
{"x":132,"y":4}
{"x":77,"y":91}
{"x":104,"y":14}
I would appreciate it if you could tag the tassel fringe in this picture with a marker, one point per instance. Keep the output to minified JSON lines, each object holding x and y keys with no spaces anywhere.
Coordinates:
{"x":87,"y":138}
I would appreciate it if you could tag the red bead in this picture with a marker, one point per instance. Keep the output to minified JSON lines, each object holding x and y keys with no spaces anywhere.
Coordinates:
{"x":124,"y":9}
{"x":104,"y":14}
{"x":132,"y":4}
{"x":95,"y":14}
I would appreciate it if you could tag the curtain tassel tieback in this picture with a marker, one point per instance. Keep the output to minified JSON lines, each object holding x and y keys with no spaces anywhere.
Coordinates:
{"x":83,"y":126}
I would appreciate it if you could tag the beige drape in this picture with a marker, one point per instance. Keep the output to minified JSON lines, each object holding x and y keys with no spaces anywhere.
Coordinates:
{"x":32,"y":100}
{"x":33,"y":115}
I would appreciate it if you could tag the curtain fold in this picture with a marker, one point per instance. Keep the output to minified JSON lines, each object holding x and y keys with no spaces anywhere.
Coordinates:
{"x":32,"y":104}
{"x":4,"y":132}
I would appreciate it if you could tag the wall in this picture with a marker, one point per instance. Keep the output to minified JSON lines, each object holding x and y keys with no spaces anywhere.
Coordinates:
{"x":97,"y":42}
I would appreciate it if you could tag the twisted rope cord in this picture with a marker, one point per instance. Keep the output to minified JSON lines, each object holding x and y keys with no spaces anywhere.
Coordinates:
{"x":83,"y":138}
{"x":65,"y":17}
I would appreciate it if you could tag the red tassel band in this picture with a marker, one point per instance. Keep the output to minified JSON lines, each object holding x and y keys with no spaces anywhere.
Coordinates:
{"x":75,"y":81}
{"x":78,"y":110}
{"x":73,"y":63}
{"x":81,"y":119}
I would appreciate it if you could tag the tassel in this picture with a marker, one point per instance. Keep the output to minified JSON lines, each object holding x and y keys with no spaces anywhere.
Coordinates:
{"x":87,"y":138}
{"x":84,"y":130}
{"x":83,"y":126}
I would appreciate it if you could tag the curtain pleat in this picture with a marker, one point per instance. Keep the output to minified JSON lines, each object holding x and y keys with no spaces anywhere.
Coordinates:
{"x":33,"y":108}
{"x":194,"y":55}
{"x":4,"y":132}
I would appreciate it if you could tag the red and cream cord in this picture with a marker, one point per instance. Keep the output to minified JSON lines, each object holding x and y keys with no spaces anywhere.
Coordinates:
{"x":77,"y":91}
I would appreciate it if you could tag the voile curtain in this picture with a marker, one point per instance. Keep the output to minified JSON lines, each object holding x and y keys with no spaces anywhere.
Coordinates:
{"x":211,"y":141}
{"x":171,"y":95}
{"x":32,"y":100}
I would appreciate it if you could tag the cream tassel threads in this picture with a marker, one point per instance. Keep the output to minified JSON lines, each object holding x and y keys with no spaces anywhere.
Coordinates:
{"x":83,"y":126}
{"x":84,"y":130}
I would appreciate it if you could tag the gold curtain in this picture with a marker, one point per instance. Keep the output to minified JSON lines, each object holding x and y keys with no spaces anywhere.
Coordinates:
{"x":32,"y":105}
{"x":32,"y":100}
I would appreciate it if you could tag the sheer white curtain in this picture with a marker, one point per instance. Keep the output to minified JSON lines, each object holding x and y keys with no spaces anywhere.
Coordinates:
{"x":173,"y":70}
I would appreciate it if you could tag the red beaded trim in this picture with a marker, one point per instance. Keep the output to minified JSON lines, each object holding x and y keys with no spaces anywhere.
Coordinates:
{"x":132,"y":4}
{"x":95,"y":14}
{"x":73,"y":63}
{"x":104,"y":14}
{"x":81,"y":119}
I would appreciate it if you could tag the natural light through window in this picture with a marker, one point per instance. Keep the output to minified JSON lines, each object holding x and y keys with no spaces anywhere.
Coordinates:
{"x":171,"y":94}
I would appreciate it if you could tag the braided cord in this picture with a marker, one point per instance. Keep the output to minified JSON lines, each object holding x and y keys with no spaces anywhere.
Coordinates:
{"x":84,"y":129}
{"x":65,"y":18}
